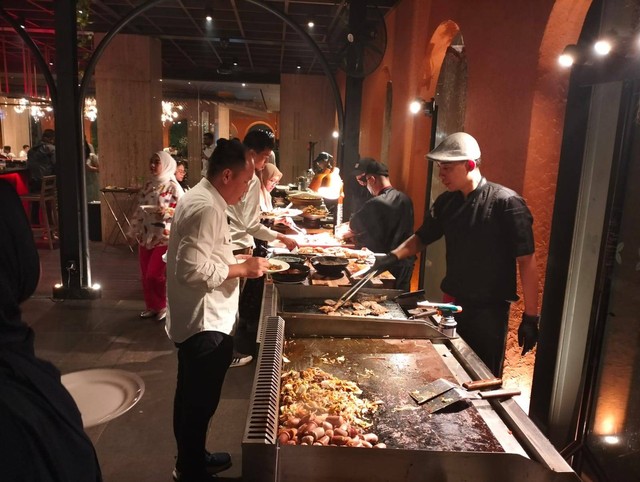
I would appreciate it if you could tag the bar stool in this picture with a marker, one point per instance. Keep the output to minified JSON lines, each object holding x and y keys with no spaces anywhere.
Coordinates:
{"x":47,"y":198}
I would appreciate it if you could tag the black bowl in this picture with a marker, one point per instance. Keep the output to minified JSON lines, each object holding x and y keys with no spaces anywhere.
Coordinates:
{"x":329,"y":265}
{"x":296,"y":273}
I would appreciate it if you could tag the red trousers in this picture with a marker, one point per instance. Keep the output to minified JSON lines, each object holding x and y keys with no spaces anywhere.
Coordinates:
{"x":154,"y":277}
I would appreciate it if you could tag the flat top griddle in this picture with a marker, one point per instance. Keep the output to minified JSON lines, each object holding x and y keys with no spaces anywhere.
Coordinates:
{"x":387,"y":370}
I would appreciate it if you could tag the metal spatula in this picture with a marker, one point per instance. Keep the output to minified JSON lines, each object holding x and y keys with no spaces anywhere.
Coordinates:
{"x":456,"y":394}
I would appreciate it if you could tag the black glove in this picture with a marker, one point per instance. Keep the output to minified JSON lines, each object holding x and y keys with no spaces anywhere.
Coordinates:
{"x":385,"y":262}
{"x":528,"y":332}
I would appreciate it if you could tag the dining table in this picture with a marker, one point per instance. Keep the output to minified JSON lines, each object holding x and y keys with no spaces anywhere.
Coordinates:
{"x":18,"y":177}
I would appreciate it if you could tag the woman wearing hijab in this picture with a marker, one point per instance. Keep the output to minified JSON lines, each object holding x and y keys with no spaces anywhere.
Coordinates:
{"x":150,"y":225}
{"x":41,"y":432}
{"x":269,"y":178}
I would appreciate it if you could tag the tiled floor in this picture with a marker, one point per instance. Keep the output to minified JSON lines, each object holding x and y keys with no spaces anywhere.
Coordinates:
{"x":107,"y":333}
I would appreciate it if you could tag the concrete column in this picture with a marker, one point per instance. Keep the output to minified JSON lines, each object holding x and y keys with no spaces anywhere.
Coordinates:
{"x":221,"y":122}
{"x":128,"y":95}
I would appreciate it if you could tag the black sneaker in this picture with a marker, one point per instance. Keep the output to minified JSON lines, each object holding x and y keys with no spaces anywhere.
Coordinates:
{"x":215,"y":462}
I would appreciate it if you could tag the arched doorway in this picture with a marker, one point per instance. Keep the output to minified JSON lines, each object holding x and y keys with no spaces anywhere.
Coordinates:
{"x":450,"y":99}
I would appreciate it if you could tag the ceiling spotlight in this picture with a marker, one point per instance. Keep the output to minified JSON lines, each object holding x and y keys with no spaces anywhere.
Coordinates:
{"x":208,"y":14}
{"x":335,"y":134}
{"x":611,"y":439}
{"x":235,"y":61}
{"x":244,"y":85}
{"x":311,"y":23}
{"x":298,"y":65}
{"x":569,"y":56}
{"x":602,"y":47}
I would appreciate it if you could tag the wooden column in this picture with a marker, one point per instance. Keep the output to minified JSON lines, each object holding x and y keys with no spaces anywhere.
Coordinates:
{"x":304,"y":118}
{"x":129,"y":95}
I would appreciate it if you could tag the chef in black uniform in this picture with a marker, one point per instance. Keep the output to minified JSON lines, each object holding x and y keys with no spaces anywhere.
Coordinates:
{"x":385,"y":220}
{"x":488,"y":231}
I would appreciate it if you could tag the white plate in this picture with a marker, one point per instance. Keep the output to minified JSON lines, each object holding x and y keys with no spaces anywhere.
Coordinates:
{"x":149,"y":208}
{"x":103,"y":394}
{"x":281,"y":213}
{"x":283,"y":266}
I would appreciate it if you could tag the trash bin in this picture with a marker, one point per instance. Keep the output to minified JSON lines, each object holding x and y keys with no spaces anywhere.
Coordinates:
{"x":95,"y":221}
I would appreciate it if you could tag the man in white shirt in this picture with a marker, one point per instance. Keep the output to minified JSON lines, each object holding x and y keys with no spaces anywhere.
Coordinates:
{"x":245,"y":216}
{"x":202,"y":289}
{"x":244,"y":221}
{"x":207,"y":150}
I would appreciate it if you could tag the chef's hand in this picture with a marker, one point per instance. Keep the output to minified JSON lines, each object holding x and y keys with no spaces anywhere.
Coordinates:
{"x":528,"y":332}
{"x":385,"y":262}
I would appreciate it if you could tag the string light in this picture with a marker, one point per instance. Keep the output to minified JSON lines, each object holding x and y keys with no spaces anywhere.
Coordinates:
{"x":168,"y":114}
{"x":22,"y":106}
{"x":36,"y":112}
{"x":90,"y":109}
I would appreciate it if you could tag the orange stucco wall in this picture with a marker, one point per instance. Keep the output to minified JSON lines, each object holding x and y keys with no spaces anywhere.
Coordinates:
{"x":515,"y":99}
{"x":244,"y":121}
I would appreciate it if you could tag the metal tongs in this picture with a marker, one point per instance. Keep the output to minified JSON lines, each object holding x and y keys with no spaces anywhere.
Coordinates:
{"x":350,"y":293}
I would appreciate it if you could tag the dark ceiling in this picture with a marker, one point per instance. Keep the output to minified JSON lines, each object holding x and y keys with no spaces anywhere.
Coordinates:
{"x":243,"y":43}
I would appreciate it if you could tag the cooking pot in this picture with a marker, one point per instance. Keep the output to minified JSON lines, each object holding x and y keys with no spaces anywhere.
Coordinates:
{"x":291,"y":258}
{"x":329,"y":265}
{"x":296,"y":273}
{"x":304,"y":199}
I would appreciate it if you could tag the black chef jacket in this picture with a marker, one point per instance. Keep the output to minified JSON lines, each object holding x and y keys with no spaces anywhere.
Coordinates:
{"x":382,"y":224}
{"x":384,"y":221}
{"x":484,"y":234}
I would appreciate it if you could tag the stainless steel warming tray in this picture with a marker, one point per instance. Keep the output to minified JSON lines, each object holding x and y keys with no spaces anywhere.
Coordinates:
{"x":487,"y":441}
{"x":298,"y":305}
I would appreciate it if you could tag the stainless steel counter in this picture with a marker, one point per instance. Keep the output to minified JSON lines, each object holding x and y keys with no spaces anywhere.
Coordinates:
{"x":479,"y":440}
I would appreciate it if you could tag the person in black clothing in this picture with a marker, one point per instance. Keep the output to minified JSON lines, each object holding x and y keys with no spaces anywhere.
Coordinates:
{"x":488,"y":232}
{"x":41,"y":161}
{"x":385,"y":220}
{"x":41,"y":431}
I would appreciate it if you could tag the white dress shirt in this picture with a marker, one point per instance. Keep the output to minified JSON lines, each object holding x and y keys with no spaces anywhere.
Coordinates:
{"x":200,"y":297}
{"x":244,"y":219}
{"x":206,"y":154}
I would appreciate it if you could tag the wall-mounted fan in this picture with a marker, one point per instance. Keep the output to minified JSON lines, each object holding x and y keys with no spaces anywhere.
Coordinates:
{"x":358,"y":52}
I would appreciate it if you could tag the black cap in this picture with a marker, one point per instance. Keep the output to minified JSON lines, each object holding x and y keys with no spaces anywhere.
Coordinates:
{"x":368,"y":165}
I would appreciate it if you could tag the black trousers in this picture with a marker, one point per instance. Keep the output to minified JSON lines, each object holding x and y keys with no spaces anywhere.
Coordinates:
{"x":203,"y":361}
{"x":484,"y":328}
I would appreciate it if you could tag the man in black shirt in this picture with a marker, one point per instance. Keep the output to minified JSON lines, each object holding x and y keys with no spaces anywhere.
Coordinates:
{"x":385,"y":220}
{"x":488,"y":231}
{"x":41,"y":161}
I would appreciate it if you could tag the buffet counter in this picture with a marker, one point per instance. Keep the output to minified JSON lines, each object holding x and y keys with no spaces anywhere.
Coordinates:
{"x":388,"y":357}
